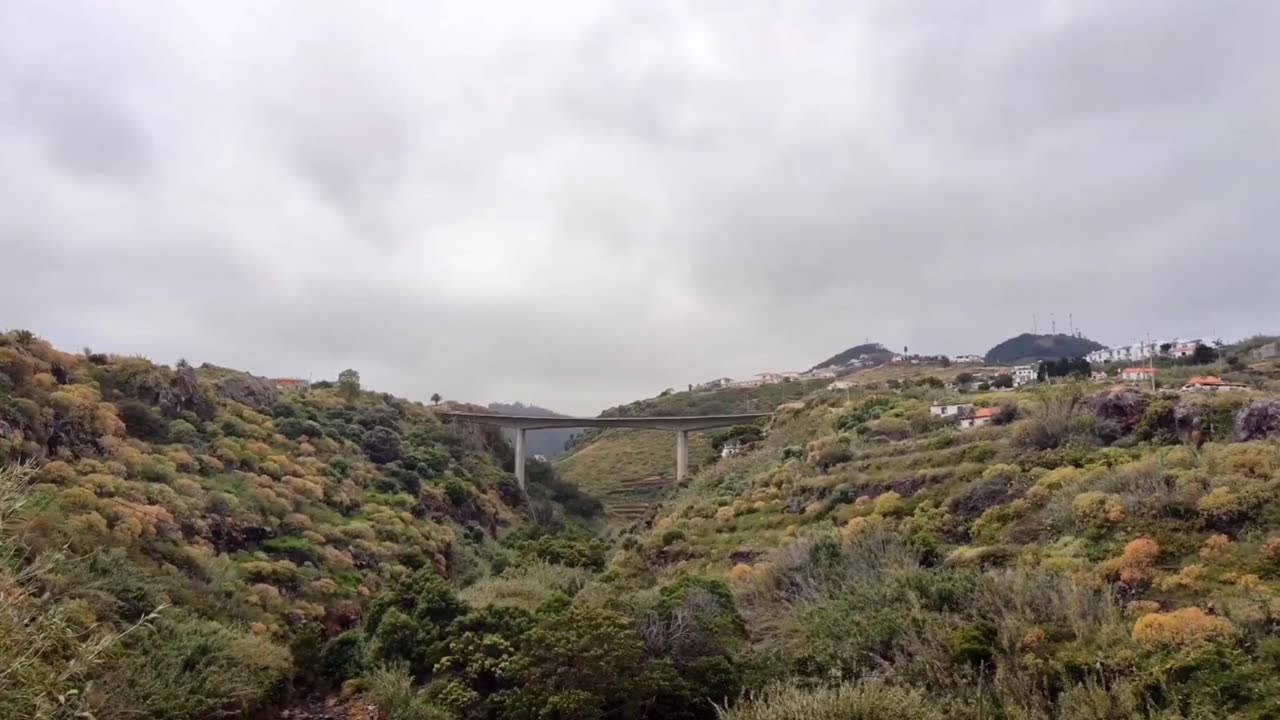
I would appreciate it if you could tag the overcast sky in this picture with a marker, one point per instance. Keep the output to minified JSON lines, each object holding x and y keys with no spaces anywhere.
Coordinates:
{"x":577,"y":203}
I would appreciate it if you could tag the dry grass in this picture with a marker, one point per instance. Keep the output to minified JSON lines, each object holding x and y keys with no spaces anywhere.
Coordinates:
{"x":867,"y":700}
{"x":527,"y":586}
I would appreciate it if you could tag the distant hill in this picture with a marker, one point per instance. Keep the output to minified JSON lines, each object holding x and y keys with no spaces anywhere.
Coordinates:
{"x":853,"y":353}
{"x":548,"y":443}
{"x":1029,"y":348}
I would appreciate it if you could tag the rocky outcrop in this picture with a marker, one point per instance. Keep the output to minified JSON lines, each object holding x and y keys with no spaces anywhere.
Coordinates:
{"x":1259,"y":419}
{"x":1120,"y":405}
{"x":175,"y":392}
{"x":257,"y":392}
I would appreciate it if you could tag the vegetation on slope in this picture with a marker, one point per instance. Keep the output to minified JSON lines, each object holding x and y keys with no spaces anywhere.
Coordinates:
{"x":1100,"y":554}
{"x":1026,"y":348}
{"x":844,"y":357}
{"x":632,"y":469}
{"x":260,"y":522}
{"x":192,"y":545}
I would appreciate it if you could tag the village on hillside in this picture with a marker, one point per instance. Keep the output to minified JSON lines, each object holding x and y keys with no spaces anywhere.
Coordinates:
{"x":1136,"y":363}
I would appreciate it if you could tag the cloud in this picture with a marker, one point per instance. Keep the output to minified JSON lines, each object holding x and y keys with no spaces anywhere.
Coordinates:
{"x":579,"y":203}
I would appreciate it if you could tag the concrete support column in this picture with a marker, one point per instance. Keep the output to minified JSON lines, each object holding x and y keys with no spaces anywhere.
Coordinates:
{"x":682,"y":454}
{"x":520,"y":456}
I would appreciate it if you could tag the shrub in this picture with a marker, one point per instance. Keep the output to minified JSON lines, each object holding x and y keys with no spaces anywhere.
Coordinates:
{"x":867,"y":700}
{"x":1095,"y":508}
{"x":1182,"y":627}
{"x":189,"y":669}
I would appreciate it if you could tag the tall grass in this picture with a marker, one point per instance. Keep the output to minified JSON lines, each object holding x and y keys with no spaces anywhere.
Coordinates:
{"x":390,"y":688}
{"x":48,"y":655}
{"x":867,"y":700}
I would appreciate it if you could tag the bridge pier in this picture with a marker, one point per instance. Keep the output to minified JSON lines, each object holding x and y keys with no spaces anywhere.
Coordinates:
{"x":520,"y":456}
{"x":682,"y":454}
{"x":680,"y":425}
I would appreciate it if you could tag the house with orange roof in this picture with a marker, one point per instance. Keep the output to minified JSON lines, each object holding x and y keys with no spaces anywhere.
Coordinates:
{"x":1209,"y":383}
{"x":1137,"y":374}
{"x":980,"y":417}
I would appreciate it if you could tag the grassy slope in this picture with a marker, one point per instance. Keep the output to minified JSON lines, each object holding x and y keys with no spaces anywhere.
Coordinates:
{"x":1087,"y":549}
{"x":609,"y":463}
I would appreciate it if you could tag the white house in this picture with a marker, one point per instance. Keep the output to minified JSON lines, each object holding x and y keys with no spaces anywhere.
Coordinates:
{"x":950,"y":410}
{"x":1023,"y":374}
{"x":713,"y":384}
{"x":826,"y":373}
{"x":967,"y":359}
{"x":1098,"y":374}
{"x":767,"y":378}
{"x":841,"y":385}
{"x":1184,"y":349}
{"x":731,"y":449}
{"x":1137,"y":374}
{"x":979,"y":418}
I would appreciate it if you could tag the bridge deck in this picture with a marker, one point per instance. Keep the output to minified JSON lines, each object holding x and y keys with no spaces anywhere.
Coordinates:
{"x":533,"y":422}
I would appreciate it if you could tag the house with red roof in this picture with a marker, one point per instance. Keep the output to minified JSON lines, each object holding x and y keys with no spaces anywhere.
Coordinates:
{"x":1209,"y":383}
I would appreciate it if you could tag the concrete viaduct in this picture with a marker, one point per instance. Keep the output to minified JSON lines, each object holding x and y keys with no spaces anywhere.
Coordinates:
{"x":680,"y":425}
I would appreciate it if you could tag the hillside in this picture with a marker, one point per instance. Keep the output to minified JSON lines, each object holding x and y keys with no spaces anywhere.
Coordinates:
{"x":549,"y":442}
{"x":1027,"y":348}
{"x":844,"y":357}
{"x":189,"y":543}
{"x":1099,"y":553}
{"x":258,"y":522}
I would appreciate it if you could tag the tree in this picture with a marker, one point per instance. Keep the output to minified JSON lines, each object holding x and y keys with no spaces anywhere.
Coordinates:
{"x":382,"y":445}
{"x":1003,"y":380}
{"x":435,"y":398}
{"x":964,"y":378}
{"x":1203,"y":355}
{"x":349,"y":384}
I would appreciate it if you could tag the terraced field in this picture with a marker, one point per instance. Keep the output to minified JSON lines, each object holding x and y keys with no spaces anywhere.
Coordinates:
{"x":630,"y":470}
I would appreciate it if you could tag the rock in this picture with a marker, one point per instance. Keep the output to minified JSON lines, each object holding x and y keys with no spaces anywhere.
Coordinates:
{"x":1257,"y":420}
{"x":175,"y":392}
{"x":1121,"y":405}
{"x":256,"y":392}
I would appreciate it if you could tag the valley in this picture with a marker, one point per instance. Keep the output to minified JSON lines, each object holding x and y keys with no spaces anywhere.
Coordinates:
{"x":327,"y":551}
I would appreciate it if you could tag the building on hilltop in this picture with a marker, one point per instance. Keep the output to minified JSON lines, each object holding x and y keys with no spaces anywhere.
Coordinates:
{"x":714,"y":384}
{"x":841,"y":385}
{"x":1184,"y":349}
{"x":292,"y":384}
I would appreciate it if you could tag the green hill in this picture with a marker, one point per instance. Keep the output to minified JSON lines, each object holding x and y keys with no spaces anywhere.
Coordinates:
{"x":547,"y":442}
{"x":964,"y":573}
{"x":846,"y":356}
{"x":631,"y":470}
{"x":1026,"y":348}
{"x":258,"y":521}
